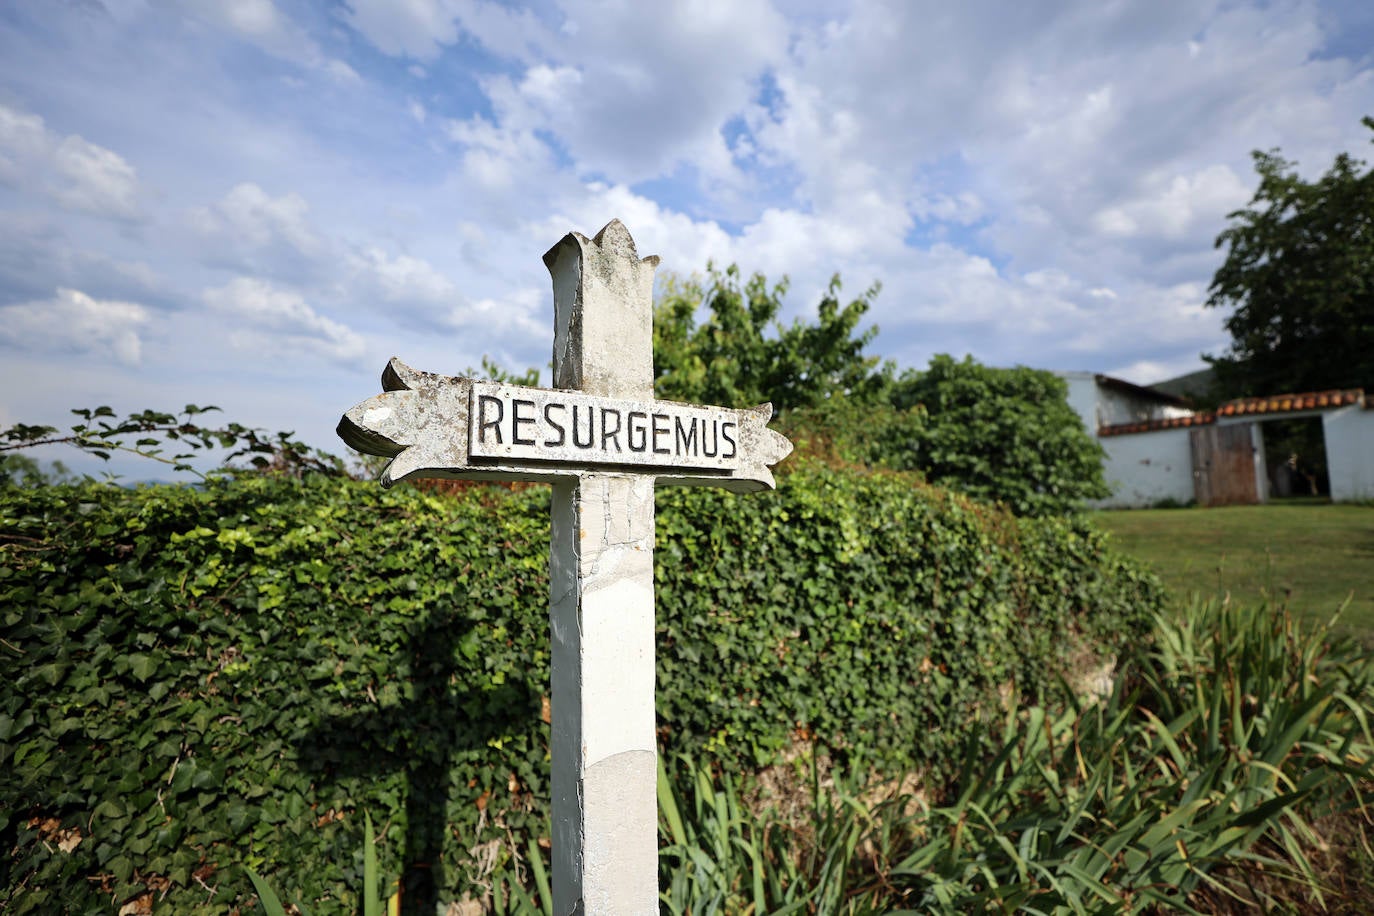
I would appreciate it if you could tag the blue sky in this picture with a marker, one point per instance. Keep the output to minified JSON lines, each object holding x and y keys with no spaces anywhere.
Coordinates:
{"x":255,"y":203}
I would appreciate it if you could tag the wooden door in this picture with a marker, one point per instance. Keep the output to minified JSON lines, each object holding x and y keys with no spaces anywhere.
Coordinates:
{"x":1224,"y":465}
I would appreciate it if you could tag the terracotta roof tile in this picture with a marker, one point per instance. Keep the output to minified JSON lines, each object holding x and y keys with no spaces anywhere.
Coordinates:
{"x":1277,"y":403}
{"x":1285,"y":403}
{"x":1149,"y":426}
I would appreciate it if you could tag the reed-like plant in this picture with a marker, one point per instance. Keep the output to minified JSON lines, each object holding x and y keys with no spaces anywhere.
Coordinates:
{"x":725,"y":851}
{"x":1234,"y":730}
{"x":372,"y":903}
{"x":1238,"y":728}
{"x":1196,"y":782}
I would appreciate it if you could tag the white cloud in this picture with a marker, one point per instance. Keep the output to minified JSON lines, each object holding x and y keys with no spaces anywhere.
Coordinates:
{"x":73,"y":322}
{"x":98,"y":180}
{"x":402,"y":279}
{"x":963,"y":208}
{"x":1145,"y":334}
{"x":415,"y":28}
{"x":37,"y":255}
{"x":513,"y":316}
{"x":1175,"y":207}
{"x":421,"y":29}
{"x":1031,"y":183}
{"x":341,"y":72}
{"x":949,"y":286}
{"x":255,"y":19}
{"x":250,"y":218}
{"x":682,"y":244}
{"x":642,"y":89}
{"x":73,"y":172}
{"x":23,"y":141}
{"x":268,"y":319}
{"x":497,"y":161}
{"x":261,"y":24}
{"x":1048,"y":120}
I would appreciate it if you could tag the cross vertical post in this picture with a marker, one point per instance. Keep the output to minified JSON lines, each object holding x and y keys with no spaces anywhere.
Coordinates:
{"x":604,"y":442}
{"x":601,"y":572}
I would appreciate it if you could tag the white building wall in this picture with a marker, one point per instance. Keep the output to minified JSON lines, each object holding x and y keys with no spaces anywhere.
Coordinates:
{"x":1349,"y":435}
{"x":1104,"y":405}
{"x":1083,"y":398}
{"x":1146,"y":468}
{"x":1261,"y":463}
{"x":1116,"y":407}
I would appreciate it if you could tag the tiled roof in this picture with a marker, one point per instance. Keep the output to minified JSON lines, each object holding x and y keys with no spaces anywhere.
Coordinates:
{"x":1278,"y":403}
{"x":1149,"y":426}
{"x":1283,"y":403}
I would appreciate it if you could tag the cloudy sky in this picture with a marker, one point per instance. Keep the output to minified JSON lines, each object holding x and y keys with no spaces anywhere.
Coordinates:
{"x":254,"y":203}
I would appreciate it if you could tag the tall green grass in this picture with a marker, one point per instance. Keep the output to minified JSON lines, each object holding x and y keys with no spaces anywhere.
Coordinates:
{"x":1195,"y":786}
{"x":724,"y":853}
{"x":1235,"y":729}
{"x":1198,"y":779}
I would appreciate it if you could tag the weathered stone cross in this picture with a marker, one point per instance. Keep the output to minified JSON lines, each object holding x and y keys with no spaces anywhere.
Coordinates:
{"x":603,"y":441}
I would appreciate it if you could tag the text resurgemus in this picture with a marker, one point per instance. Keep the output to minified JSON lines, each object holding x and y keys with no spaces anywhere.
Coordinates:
{"x":509,"y":422}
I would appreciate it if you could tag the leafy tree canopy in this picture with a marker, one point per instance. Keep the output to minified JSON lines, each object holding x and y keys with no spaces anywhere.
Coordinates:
{"x":741,"y":355}
{"x":151,"y":434}
{"x":1001,"y":435}
{"x":493,"y":371}
{"x":1299,"y":277}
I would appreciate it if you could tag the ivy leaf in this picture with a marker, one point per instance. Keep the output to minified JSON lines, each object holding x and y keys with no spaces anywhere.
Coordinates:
{"x":142,"y":666}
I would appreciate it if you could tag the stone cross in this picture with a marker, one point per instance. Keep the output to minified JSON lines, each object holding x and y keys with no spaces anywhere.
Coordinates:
{"x":603,"y":441}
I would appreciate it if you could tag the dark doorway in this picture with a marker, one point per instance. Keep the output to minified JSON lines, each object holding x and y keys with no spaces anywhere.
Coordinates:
{"x":1295,"y":454}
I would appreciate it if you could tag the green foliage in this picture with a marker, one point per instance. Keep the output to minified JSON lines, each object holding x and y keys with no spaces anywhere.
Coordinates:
{"x":1310,"y":557}
{"x":270,"y":901}
{"x":1193,"y":790}
{"x":918,"y":605}
{"x":20,"y":470}
{"x":149,"y":433}
{"x":1299,"y":277}
{"x":1241,"y":728}
{"x":1003,"y":435}
{"x":373,"y":905}
{"x":204,"y":675}
{"x":727,"y":849}
{"x":741,"y":355}
{"x":493,"y":372}
{"x":209,"y":679}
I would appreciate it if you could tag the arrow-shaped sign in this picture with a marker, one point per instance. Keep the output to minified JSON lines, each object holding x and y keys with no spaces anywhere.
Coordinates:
{"x":450,"y":426}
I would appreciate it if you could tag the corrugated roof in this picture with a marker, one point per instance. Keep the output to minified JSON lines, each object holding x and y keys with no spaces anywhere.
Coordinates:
{"x":1142,"y":391}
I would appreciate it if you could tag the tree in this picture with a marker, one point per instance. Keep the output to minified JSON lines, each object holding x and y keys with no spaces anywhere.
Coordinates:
{"x":149,"y":434}
{"x":1001,"y":435}
{"x":492,"y":371}
{"x":1299,"y":274}
{"x":19,"y":470}
{"x":741,"y":355}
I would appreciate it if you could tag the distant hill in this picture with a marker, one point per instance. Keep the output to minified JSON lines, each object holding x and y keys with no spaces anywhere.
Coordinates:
{"x":1198,"y":387}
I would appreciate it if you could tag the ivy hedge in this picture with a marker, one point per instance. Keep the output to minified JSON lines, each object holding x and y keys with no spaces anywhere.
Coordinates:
{"x":202,"y":679}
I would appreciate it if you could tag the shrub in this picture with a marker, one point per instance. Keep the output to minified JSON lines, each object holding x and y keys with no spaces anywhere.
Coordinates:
{"x":215,"y":677}
{"x":1001,"y":435}
{"x":1210,"y":784}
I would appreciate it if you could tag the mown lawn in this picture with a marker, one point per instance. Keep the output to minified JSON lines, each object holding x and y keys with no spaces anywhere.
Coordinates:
{"x":1310,"y":556}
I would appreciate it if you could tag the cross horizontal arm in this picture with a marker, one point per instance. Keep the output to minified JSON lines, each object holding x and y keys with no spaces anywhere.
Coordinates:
{"x":450,"y":426}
